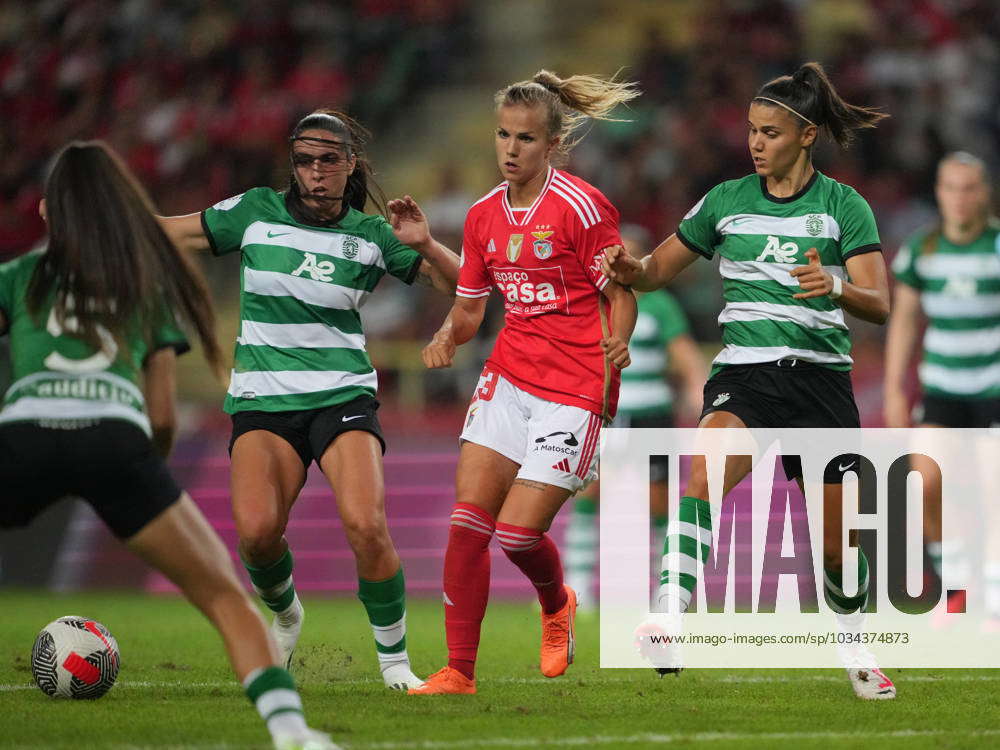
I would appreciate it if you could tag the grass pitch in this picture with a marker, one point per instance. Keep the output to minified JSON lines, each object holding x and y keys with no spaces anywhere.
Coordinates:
{"x":175,"y":690}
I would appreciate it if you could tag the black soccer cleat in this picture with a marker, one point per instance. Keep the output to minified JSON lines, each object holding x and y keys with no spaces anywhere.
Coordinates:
{"x":675,"y":671}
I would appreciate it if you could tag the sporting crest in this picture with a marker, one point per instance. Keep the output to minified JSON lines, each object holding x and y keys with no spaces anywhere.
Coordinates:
{"x":350,"y":247}
{"x":814,"y":224}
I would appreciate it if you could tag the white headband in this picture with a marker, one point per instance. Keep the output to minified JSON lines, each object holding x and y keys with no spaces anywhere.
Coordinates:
{"x":782,"y":104}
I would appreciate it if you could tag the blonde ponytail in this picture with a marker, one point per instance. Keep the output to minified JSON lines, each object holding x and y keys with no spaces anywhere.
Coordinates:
{"x":569,"y":101}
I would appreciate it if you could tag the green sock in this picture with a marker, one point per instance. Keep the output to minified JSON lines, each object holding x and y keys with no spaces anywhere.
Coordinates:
{"x":833,"y":588}
{"x":274,"y":583}
{"x":272,"y":691}
{"x":690,"y":530}
{"x":385,"y":602}
{"x":581,"y":546}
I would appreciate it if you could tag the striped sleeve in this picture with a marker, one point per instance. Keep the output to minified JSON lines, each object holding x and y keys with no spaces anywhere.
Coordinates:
{"x":596,"y":230}
{"x":473,"y":279}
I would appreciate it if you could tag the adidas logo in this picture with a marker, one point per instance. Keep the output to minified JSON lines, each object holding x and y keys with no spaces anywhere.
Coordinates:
{"x":723,"y":398}
{"x":563,"y":466}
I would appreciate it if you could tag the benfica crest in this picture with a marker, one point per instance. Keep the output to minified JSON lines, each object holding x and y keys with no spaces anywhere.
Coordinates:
{"x":514,"y":247}
{"x":542,"y":246}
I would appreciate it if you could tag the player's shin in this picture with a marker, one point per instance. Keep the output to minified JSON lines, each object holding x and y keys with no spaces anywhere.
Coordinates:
{"x":274,"y":585}
{"x":466,"y":584}
{"x":689,"y":531}
{"x":385,"y":603}
{"x":581,"y":549}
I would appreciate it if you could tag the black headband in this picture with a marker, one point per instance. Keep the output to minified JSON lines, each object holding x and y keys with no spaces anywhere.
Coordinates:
{"x":314,"y":139}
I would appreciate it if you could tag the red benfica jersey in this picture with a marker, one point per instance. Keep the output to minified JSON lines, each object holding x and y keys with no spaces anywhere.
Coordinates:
{"x":545,"y":262}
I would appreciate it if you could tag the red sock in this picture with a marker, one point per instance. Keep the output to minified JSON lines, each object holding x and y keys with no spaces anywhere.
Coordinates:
{"x":466,"y":584}
{"x":536,"y":555}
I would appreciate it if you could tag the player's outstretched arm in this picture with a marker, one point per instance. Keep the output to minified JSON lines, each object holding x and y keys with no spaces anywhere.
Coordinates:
{"x":900,"y":340}
{"x":624,"y":312}
{"x":440,"y":266}
{"x":160,"y":391}
{"x":186,"y":232}
{"x":462,"y":322}
{"x":655,"y":270}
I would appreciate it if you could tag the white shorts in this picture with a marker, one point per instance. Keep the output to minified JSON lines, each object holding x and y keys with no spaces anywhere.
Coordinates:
{"x":554,"y":443}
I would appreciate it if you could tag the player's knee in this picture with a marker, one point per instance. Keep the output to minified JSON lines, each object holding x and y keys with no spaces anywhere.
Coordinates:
{"x":367,"y":535}
{"x":259,"y":532}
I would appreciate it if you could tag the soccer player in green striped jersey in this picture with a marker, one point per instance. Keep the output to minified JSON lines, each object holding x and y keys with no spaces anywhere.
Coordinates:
{"x":303,"y":387}
{"x":797,"y":249}
{"x":77,"y":422}
{"x":661,"y":342}
{"x":949,"y":274}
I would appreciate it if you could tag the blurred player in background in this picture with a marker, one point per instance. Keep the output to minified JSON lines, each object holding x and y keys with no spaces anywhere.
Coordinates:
{"x":531,"y":432}
{"x":76,"y":422}
{"x":798,"y":249}
{"x":949,"y":275}
{"x":303,"y":387}
{"x":661,"y":342}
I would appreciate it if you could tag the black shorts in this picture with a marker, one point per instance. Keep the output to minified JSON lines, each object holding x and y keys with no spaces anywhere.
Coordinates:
{"x":958,"y":412}
{"x":110,"y":463}
{"x":310,"y":431}
{"x":658,"y":465}
{"x":787,"y":393}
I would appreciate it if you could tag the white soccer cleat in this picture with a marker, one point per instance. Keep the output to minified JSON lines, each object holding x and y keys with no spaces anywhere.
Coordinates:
{"x":286,"y":627}
{"x":871,"y":684}
{"x":399,"y":676}
{"x":653,"y":641}
{"x":308,"y":739}
{"x":866,"y":678}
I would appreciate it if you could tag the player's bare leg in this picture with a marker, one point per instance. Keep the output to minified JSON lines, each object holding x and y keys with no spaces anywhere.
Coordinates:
{"x":266,"y":478}
{"x":181,"y":544}
{"x":352,"y":464}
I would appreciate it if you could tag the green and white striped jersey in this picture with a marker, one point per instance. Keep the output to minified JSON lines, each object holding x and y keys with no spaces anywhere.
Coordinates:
{"x":300,"y":344}
{"x":644,"y":389}
{"x":57,"y":376}
{"x":760,"y":239}
{"x":959,"y":289}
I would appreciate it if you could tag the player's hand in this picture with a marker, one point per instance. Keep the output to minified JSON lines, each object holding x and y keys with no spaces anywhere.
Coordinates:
{"x":896,"y":409}
{"x":618,"y":265}
{"x":439,"y":353}
{"x":616,"y":352}
{"x":408,"y":222}
{"x":814,"y":281}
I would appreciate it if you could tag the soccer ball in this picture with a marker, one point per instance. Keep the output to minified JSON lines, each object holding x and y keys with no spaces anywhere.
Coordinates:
{"x":74,"y":657}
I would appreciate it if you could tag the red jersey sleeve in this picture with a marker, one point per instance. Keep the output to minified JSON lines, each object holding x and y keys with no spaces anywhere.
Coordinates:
{"x":473,"y":279}
{"x":596,"y":231}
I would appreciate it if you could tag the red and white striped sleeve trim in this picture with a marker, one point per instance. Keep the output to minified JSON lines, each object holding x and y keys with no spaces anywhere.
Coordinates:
{"x":464,"y":291}
{"x":582,"y":203}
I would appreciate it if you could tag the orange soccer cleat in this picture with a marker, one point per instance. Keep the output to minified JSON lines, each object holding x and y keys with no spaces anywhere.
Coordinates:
{"x":446,"y":681}
{"x":558,"y":639}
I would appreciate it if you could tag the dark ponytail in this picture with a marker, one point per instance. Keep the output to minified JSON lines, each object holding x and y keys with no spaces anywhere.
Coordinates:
{"x":810,"y":95}
{"x":361,"y":186}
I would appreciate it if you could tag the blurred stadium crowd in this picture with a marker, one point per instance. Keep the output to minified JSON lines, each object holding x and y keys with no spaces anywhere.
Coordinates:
{"x":200,"y":96}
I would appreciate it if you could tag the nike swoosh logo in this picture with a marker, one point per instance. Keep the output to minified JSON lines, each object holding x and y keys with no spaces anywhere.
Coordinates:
{"x":845,"y":468}
{"x":271,"y":234}
{"x":348,"y":419}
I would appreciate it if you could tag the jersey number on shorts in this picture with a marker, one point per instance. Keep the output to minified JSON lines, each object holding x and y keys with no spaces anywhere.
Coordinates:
{"x":488,"y":385}
{"x":100,"y":361}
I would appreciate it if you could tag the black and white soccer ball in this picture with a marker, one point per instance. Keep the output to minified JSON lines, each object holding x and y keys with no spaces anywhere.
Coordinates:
{"x":74,"y":657}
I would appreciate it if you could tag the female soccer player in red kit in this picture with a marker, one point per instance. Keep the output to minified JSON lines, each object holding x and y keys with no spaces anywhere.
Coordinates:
{"x":531,"y":433}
